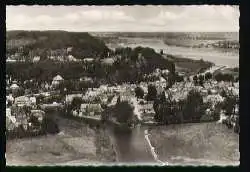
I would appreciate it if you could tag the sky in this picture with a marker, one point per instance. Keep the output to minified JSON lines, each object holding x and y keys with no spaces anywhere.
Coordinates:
{"x":199,"y":18}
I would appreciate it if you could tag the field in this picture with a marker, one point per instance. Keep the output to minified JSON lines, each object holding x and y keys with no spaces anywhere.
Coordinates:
{"x":206,"y":143}
{"x":76,"y":143}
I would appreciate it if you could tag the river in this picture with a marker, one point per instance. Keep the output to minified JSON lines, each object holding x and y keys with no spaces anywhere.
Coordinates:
{"x":131,"y":146}
{"x":223,"y":57}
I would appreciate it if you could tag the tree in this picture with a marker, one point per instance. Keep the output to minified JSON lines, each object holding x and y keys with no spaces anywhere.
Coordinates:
{"x":229,"y":104}
{"x":39,"y":99}
{"x":163,"y":97}
{"x":139,"y":92}
{"x":161,"y":52}
{"x":166,"y":111}
{"x":194,"y":107}
{"x":19,"y":92}
{"x":49,"y":125}
{"x":124,"y":112}
{"x":34,"y":120}
{"x":208,"y":76}
{"x":179,"y":78}
{"x":118,"y":100}
{"x":152,"y":93}
{"x":26,"y":109}
{"x":237,"y":125}
{"x":201,"y":80}
{"x":223,"y":93}
{"x":236,"y":79}
{"x":195,"y":79}
{"x":224,"y":77}
{"x":216,"y":111}
{"x":76,"y":103}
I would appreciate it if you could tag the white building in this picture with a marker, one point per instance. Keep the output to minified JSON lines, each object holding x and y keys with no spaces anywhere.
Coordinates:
{"x":57,"y":80}
{"x":14,"y":86}
{"x":71,"y":58}
{"x":69,"y":49}
{"x":88,"y":59}
{"x":22,"y":100}
{"x":33,"y":100}
{"x":36,"y":59}
{"x":10,"y":98}
{"x":90,"y":109}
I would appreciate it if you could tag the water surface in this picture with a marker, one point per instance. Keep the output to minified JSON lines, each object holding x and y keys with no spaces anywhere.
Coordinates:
{"x":225,"y":57}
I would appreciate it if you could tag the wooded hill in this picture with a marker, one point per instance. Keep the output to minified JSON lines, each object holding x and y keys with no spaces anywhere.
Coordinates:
{"x":44,"y":43}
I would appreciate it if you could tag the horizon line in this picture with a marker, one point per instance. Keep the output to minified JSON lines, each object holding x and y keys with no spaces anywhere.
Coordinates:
{"x":119,"y":31}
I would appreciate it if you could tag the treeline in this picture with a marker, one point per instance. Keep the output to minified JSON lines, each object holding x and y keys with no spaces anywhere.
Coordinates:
{"x":131,"y":67}
{"x":44,"y":70}
{"x":200,"y":79}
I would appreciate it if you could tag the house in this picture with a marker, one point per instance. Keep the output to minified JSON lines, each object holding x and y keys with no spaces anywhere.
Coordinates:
{"x":147,"y":108}
{"x":22,"y":100}
{"x":8,"y":112}
{"x":213,"y":91}
{"x":162,"y":79}
{"x":204,"y":92}
{"x":14,"y":86}
{"x":103,"y":88}
{"x":69,"y":49}
{"x":88,"y":60}
{"x":165,"y":72}
{"x":70,"y":97}
{"x":126,"y":98}
{"x":10,"y":98}
{"x":90,"y":109}
{"x":33,"y":100}
{"x":71,"y":58}
{"x":108,"y":61}
{"x":51,"y":57}
{"x":57,"y":80}
{"x":86,"y":79}
{"x":36,"y":59}
{"x":11,"y":122}
{"x":181,"y":73}
{"x":214,"y":99}
{"x":53,"y":106}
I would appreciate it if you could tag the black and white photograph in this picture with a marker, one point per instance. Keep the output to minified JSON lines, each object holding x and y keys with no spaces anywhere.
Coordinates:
{"x":122,"y":85}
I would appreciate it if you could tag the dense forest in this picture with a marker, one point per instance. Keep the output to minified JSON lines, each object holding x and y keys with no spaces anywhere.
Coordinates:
{"x":131,"y":67}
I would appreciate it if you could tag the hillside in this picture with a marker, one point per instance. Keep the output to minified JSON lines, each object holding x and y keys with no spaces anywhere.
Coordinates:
{"x":45,"y":43}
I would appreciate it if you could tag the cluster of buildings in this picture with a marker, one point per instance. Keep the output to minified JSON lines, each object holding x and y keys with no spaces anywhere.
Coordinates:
{"x":20,"y":109}
{"x":220,"y":44}
{"x":96,"y":97}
